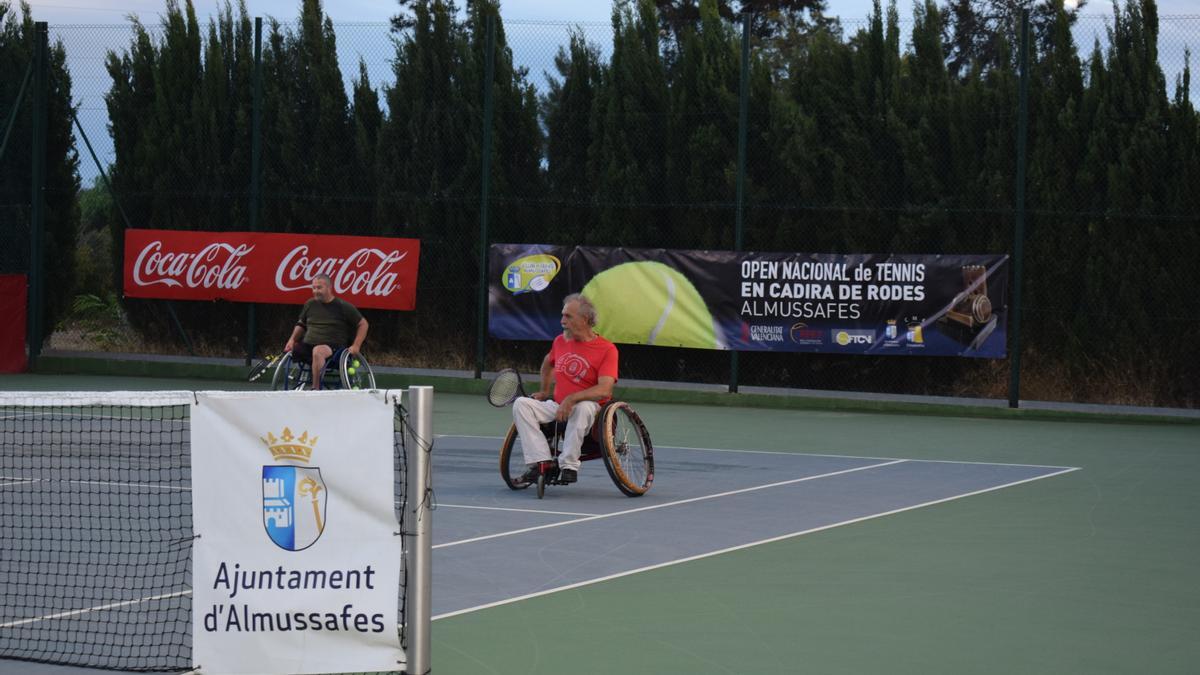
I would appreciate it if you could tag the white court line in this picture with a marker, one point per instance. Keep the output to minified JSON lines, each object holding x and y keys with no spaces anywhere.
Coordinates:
{"x":809,"y":454}
{"x":817,"y":454}
{"x":666,"y":504}
{"x":743,"y":546}
{"x":501,"y":508}
{"x":99,"y":608}
{"x":16,"y":481}
{"x":486,"y":438}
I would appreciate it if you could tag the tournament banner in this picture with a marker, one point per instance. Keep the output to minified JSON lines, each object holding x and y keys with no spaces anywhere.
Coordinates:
{"x":369,"y":272}
{"x":929,"y":305}
{"x":296,"y":562}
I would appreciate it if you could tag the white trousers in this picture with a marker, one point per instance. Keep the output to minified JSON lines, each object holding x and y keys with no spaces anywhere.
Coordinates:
{"x":528,"y":414}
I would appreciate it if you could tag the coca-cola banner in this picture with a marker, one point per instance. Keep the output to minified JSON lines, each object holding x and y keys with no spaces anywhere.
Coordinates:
{"x":370,"y":272}
{"x":800,"y":302}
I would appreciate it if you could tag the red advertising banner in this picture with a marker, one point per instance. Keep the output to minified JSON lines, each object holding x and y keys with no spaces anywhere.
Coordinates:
{"x":370,"y":272}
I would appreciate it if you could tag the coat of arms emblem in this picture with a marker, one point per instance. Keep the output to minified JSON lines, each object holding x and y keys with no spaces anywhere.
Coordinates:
{"x":293,"y":497}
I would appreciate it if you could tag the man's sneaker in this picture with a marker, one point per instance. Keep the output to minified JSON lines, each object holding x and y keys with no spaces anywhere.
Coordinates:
{"x":568,"y":476}
{"x":530,"y":476}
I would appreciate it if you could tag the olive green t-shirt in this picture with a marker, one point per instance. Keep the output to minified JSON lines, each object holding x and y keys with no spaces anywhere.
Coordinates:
{"x":329,"y":323}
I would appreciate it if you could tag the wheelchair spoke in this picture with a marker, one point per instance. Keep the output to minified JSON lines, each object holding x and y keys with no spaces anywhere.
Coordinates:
{"x":355,"y":372}
{"x":629,"y":455}
{"x":627,"y":444}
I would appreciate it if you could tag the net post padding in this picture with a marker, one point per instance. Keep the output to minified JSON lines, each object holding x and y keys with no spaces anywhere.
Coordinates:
{"x":418,"y":529}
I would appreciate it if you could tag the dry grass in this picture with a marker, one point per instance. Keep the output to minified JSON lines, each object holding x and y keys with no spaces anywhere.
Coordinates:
{"x":1043,"y":378}
{"x":1052,"y":379}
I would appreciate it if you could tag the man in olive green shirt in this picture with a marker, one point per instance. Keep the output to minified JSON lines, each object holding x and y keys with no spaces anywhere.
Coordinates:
{"x":326,"y":324}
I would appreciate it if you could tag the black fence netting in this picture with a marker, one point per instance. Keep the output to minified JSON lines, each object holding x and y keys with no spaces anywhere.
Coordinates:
{"x":893,"y":134}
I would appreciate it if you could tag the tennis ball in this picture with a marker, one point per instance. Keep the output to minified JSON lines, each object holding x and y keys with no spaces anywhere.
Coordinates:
{"x":351,"y":370}
{"x":652,"y":304}
{"x":356,"y":363}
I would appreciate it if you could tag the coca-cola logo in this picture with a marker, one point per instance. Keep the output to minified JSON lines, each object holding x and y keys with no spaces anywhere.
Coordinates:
{"x":214,"y":266}
{"x":367,"y":271}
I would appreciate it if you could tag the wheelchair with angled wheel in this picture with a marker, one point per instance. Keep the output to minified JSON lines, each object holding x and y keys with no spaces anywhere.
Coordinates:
{"x":618,"y":436}
{"x":341,"y":371}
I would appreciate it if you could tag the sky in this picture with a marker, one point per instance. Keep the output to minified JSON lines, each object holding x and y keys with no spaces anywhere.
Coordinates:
{"x":114,"y":11}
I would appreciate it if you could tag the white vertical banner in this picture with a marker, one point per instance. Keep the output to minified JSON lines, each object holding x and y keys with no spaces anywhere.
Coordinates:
{"x":296,"y":562}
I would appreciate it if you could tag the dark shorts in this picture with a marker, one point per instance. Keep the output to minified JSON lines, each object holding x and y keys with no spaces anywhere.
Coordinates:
{"x":302,"y":351}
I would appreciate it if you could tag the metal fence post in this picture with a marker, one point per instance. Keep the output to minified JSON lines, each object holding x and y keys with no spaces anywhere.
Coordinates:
{"x":740,"y":209}
{"x":37,"y":227}
{"x":255,"y":176}
{"x":489,"y":66}
{"x":1014,"y":377}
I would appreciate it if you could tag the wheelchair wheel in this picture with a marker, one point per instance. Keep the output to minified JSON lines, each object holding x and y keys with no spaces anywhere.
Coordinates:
{"x":628,"y":455}
{"x":362,"y":377}
{"x":287,"y":375}
{"x":512,"y":460}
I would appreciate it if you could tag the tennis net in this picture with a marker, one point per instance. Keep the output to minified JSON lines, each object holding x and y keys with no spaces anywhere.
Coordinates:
{"x":96,"y":541}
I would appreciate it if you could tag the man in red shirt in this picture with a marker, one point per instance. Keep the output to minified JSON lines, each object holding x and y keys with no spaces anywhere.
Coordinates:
{"x":584,"y":369}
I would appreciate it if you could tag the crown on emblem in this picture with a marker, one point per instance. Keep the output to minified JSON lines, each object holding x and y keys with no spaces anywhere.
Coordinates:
{"x":288,"y":446}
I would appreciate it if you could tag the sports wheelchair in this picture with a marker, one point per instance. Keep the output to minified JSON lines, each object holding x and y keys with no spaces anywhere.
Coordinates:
{"x":342,"y":371}
{"x":618,"y":436}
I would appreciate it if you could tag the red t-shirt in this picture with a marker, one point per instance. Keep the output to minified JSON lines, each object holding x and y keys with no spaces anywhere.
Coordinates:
{"x":579,"y":365}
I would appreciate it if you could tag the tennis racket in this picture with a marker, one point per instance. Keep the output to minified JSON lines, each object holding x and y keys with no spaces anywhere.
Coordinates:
{"x":506,"y":388}
{"x":263,"y":366}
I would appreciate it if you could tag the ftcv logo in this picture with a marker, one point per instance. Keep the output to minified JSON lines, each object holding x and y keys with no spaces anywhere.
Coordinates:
{"x":293,"y":497}
{"x":848,"y":337}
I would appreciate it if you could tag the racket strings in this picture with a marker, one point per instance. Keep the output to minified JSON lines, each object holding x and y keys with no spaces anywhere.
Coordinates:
{"x":504,"y":389}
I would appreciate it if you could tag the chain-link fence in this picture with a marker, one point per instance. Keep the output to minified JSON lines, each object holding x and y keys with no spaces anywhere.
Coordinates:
{"x":884,"y":135}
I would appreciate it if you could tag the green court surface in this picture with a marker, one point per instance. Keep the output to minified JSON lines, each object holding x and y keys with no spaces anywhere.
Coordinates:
{"x":1092,"y":571}
{"x":1095,"y":571}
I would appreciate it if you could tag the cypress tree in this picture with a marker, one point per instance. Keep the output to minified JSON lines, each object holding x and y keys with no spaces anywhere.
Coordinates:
{"x":516,"y":187}
{"x":704,"y":122}
{"x":423,"y":156}
{"x":629,"y":157}
{"x":366,"y":118}
{"x":1054,"y":258}
{"x":566,"y":110}
{"x":309,"y":141}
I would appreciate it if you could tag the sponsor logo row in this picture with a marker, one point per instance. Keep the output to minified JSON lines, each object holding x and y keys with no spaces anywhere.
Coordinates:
{"x":803,"y":334}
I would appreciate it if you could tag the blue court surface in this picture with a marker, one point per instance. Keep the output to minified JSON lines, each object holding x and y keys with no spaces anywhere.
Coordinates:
{"x":493,"y":545}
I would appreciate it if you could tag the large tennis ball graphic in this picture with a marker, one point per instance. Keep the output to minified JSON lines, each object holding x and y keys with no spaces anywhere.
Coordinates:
{"x":651,"y":303}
